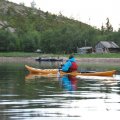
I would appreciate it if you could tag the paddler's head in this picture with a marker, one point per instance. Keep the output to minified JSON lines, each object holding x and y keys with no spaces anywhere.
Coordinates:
{"x":71,"y":56}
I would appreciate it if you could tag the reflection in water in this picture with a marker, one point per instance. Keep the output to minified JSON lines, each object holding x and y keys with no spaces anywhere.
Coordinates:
{"x":69,"y":82}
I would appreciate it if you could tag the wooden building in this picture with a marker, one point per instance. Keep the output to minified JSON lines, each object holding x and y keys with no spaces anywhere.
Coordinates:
{"x":107,"y":47}
{"x":84,"y":50}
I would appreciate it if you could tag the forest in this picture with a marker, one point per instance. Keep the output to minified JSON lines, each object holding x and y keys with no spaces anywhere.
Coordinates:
{"x":27,"y":29}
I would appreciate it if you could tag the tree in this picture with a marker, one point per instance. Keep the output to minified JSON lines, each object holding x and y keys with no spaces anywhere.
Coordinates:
{"x":7,"y":41}
{"x":30,"y":42}
{"x":109,"y":27}
{"x":102,"y":29}
{"x":33,"y":4}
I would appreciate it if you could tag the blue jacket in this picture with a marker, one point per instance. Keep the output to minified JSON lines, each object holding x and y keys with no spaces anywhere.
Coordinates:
{"x":68,"y":64}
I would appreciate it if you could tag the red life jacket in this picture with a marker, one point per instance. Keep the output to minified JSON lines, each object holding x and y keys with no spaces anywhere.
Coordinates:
{"x":73,"y":67}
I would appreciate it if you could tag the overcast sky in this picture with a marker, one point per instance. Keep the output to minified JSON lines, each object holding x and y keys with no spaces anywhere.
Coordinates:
{"x":93,"y":12}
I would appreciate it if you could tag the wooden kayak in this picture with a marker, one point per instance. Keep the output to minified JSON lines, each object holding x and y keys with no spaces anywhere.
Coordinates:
{"x":55,"y":72}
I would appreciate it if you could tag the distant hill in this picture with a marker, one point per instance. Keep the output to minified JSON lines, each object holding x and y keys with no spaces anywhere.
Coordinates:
{"x":27,"y":29}
{"x":11,"y":13}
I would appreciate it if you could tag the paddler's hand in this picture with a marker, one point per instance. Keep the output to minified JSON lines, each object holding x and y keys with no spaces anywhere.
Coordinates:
{"x":60,"y":69}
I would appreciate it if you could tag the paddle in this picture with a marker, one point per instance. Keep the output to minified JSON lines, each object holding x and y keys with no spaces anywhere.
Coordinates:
{"x":88,"y":71}
{"x":58,"y":73}
{"x":59,"y":69}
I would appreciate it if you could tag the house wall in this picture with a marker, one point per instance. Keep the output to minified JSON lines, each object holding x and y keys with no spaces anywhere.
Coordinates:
{"x":99,"y":48}
{"x":85,"y":50}
{"x":114,"y":50}
{"x":99,"y":45}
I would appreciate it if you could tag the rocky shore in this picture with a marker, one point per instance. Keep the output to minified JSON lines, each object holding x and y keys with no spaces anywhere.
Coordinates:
{"x":32,"y":59}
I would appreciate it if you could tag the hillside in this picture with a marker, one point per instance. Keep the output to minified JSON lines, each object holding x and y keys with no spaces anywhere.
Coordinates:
{"x":11,"y":14}
{"x":27,"y":29}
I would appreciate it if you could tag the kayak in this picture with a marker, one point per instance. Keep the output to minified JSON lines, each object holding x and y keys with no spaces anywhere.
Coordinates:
{"x":48,"y":59}
{"x":56,"y":71}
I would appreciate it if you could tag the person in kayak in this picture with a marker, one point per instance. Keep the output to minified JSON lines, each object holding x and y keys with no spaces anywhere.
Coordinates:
{"x":70,"y":65}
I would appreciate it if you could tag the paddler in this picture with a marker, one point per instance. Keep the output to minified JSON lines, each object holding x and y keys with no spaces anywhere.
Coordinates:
{"x":70,"y":65}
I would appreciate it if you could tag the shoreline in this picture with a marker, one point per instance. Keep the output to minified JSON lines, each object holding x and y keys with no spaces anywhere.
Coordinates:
{"x":88,"y":60}
{"x":97,"y":60}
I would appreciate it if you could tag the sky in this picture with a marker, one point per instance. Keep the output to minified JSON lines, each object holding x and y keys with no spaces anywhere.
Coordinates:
{"x":92,"y":12}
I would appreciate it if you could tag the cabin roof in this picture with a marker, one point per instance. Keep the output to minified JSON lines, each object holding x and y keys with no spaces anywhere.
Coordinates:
{"x":109,"y":44}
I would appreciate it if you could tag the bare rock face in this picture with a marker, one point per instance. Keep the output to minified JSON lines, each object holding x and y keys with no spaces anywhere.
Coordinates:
{"x":12,"y":9}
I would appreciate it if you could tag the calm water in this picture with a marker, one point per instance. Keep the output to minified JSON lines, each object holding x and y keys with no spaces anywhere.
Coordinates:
{"x":65,"y":98}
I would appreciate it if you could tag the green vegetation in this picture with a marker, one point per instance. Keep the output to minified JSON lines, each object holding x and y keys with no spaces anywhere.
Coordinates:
{"x":34,"y":29}
{"x":18,"y":54}
{"x":105,"y":55}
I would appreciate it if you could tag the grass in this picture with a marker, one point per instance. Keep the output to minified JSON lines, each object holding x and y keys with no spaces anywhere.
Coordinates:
{"x":17,"y":54}
{"x":105,"y":55}
{"x":28,"y":54}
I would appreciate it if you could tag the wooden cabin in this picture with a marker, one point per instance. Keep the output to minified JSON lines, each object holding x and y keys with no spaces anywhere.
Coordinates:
{"x":107,"y":47}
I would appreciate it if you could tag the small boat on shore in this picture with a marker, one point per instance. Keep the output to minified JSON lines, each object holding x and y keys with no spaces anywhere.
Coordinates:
{"x":55,"y":72}
{"x":48,"y":59}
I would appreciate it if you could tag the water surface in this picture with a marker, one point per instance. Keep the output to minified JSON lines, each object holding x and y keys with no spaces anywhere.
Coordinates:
{"x":57,"y":98}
